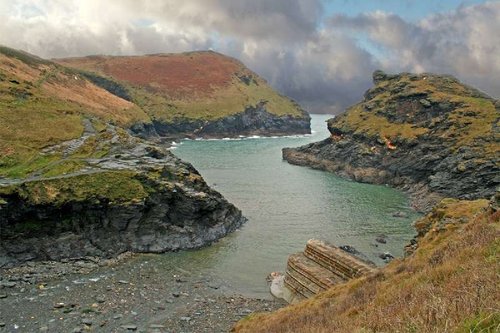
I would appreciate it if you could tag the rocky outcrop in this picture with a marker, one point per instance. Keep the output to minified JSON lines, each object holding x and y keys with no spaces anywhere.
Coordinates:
{"x":253,"y":121}
{"x":427,"y":134}
{"x":319,"y":267}
{"x":77,"y":177}
{"x":141,"y":198}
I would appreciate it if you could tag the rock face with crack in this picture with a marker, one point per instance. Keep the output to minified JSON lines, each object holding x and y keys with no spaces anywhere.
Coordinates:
{"x":427,"y":134}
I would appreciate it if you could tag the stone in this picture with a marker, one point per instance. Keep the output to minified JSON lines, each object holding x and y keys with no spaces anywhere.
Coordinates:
{"x":381,"y":239}
{"x":129,"y":327}
{"x":185,"y":319}
{"x":8,"y":284}
{"x":425,"y":102}
{"x":44,"y":329}
{"x":77,"y":330}
{"x":3,"y":296}
{"x":386,"y":256}
{"x":399,"y":214}
{"x":87,"y":321}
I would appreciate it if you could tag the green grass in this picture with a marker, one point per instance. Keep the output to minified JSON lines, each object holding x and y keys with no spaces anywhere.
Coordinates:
{"x":23,"y":56}
{"x":357,"y":120}
{"x":121,"y":187}
{"x":222,"y":103}
{"x":21,"y":169}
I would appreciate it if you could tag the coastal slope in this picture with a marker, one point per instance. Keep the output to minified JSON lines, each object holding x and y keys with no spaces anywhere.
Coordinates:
{"x":427,"y":134}
{"x":449,"y":283}
{"x":196,"y":94}
{"x":74,"y":181}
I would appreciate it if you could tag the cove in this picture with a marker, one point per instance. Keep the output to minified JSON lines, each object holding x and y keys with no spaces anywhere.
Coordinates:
{"x":286,"y":205}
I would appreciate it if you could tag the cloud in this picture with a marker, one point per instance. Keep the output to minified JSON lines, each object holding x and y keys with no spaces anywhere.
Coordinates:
{"x":464,"y":43}
{"x":324,"y":63}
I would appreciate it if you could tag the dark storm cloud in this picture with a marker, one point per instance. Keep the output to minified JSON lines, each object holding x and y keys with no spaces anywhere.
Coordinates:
{"x":324,"y":63}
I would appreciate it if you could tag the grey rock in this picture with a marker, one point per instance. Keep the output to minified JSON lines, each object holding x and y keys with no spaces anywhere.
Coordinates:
{"x":129,"y":327}
{"x":87,"y":321}
{"x":185,"y":319}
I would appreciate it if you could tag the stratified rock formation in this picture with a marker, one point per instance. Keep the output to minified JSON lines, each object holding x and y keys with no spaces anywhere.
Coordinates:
{"x":320,"y":267}
{"x":427,"y":134}
{"x":75,"y":182}
{"x":196,"y":94}
{"x":449,"y":283}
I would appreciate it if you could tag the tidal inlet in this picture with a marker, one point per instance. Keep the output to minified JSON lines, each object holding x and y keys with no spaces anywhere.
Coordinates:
{"x":249,"y":166}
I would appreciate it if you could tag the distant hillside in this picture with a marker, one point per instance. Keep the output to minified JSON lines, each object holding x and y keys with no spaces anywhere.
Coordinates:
{"x":202,"y":93}
{"x":448,"y":284}
{"x":427,"y":134}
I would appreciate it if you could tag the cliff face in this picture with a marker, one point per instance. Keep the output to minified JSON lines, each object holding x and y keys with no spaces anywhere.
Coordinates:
{"x":75,"y":182}
{"x":202,"y":94}
{"x":427,"y":134}
{"x":147,"y":200}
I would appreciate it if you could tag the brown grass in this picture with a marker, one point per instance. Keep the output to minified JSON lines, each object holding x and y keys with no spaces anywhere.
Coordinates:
{"x":450,"y":284}
{"x":195,"y":85}
{"x":177,"y":74}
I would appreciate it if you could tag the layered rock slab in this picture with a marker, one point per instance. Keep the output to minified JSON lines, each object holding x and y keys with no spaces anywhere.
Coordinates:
{"x":319,"y":267}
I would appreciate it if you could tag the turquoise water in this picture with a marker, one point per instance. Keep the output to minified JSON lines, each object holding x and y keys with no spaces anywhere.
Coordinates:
{"x":286,"y":205}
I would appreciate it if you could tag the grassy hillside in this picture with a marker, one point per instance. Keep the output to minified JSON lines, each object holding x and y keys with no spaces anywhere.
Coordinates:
{"x":194,"y":85}
{"x":407,"y":106}
{"x":43,"y":104}
{"x":449,"y":283}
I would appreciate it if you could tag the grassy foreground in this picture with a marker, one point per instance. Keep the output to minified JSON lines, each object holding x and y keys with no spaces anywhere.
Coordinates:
{"x":449,"y":284}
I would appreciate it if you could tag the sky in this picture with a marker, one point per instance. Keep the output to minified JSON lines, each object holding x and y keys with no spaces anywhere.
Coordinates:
{"x":321,"y":53}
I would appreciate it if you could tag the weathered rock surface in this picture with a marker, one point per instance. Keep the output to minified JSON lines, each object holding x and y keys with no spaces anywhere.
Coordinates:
{"x":143,"y":199}
{"x":253,"y":121}
{"x":319,"y":267}
{"x":427,"y":134}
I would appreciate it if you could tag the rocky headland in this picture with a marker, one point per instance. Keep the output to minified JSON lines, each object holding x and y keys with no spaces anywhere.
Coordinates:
{"x":426,"y":134}
{"x":77,"y":177}
{"x":195,"y":94}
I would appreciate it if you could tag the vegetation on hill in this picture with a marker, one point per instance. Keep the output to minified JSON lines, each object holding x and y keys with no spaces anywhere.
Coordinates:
{"x":43,"y":104}
{"x":448,"y":284}
{"x":407,"y":106}
{"x":188,"y":86}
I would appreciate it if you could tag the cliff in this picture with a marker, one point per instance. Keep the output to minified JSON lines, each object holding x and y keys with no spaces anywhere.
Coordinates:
{"x":75,"y":182}
{"x":427,"y":134}
{"x":196,"y":94}
{"x":449,"y":283}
